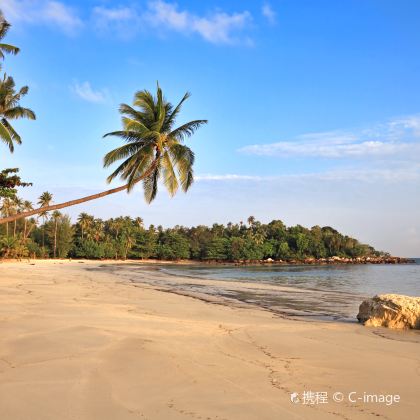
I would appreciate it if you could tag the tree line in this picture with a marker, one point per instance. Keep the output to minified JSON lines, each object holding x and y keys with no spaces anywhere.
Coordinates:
{"x":55,"y":236}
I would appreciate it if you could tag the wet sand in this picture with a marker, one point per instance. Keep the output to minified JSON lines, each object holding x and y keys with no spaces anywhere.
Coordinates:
{"x":93,"y":341}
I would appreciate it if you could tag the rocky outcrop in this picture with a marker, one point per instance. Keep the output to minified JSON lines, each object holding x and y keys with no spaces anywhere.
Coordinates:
{"x":343,"y":260}
{"x":392,"y":311}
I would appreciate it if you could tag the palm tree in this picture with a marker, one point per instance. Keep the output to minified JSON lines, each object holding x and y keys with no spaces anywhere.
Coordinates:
{"x":153,"y":149}
{"x":97,"y":229}
{"x":139,"y":222}
{"x":85,"y":221}
{"x":17,"y":207}
{"x":6,"y":209}
{"x":44,"y":200}
{"x":27,"y":206}
{"x":55,"y":216}
{"x":5,"y":48}
{"x":10,"y":109}
{"x":251,"y":220}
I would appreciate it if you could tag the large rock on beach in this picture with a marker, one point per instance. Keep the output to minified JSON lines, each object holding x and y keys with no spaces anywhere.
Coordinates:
{"x":392,"y":311}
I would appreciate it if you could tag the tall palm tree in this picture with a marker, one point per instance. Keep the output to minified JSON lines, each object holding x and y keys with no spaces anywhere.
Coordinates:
{"x":85,"y":221}
{"x":17,"y":208}
{"x":55,"y":216}
{"x":139,"y":222}
{"x":6,"y":210}
{"x":10,"y":109}
{"x":27,"y":206}
{"x":153,"y":149}
{"x":44,"y":200}
{"x":5,"y":48}
{"x":251,"y":220}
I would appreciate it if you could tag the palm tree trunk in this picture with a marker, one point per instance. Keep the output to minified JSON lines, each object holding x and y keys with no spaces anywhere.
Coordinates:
{"x":14,"y":230}
{"x":55,"y":238}
{"x":62,"y":205}
{"x":29,"y":231}
{"x":24,"y":229}
{"x":79,"y":200}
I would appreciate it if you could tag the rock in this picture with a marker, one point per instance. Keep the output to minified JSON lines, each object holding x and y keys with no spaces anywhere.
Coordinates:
{"x":269,"y":260}
{"x":392,"y":311}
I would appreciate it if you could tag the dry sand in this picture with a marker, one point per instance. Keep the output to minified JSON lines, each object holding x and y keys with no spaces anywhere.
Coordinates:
{"x":85,"y":344}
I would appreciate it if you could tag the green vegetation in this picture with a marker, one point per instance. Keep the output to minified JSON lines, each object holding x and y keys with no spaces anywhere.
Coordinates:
{"x":125,"y":237}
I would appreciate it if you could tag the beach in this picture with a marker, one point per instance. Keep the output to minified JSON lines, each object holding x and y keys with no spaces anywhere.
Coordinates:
{"x":82,"y":340}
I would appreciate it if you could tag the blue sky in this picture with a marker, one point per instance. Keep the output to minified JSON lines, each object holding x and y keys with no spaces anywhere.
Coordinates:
{"x":313,"y":107}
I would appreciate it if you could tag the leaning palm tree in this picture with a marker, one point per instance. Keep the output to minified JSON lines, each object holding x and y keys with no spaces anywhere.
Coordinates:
{"x":5,"y":48}
{"x":44,"y":200}
{"x":10,"y":109}
{"x":153,"y":150}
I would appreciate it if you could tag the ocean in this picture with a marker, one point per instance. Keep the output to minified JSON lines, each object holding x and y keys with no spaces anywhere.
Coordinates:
{"x":324,"y":291}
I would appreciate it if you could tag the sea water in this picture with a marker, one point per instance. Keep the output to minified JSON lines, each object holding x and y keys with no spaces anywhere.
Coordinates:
{"x":333,"y":291}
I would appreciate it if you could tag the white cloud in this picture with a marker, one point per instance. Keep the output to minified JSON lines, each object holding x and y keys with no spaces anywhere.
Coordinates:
{"x":218,"y":27}
{"x":268,"y":12}
{"x":121,"y":18}
{"x":116,"y":14}
{"x":42,"y":12}
{"x":230,"y":177}
{"x":123,"y":22}
{"x":400,"y":173}
{"x":86,"y":92}
{"x":398,"y":137}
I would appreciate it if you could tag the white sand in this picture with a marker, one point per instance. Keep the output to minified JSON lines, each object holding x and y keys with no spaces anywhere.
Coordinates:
{"x":78,"y":344}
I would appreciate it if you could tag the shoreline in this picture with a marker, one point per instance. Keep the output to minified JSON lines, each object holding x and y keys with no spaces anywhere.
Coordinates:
{"x":304,"y":262}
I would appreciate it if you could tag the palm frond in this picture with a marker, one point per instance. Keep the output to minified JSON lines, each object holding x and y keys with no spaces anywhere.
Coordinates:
{"x":159,"y":110}
{"x":144,"y":100}
{"x":122,"y":152}
{"x":10,"y":49}
{"x":6,"y":137}
{"x":183,"y":158}
{"x":187,"y":129}
{"x":23,"y":91}
{"x":131,"y":112}
{"x":150,"y":185}
{"x":133,"y":136}
{"x":139,"y":172}
{"x":132,"y":124}
{"x":19,"y":112}
{"x":169,"y":176}
{"x":134,"y":165}
{"x":4,"y":27}
{"x":15,"y":136}
{"x":172,"y":114}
